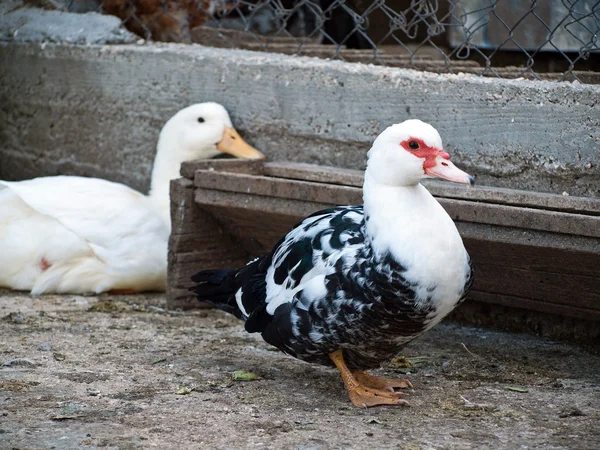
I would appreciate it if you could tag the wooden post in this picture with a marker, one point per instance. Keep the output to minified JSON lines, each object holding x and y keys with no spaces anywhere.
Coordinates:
{"x":197,"y":242}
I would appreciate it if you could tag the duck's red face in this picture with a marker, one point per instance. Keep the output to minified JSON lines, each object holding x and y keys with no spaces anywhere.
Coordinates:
{"x":436,"y":161}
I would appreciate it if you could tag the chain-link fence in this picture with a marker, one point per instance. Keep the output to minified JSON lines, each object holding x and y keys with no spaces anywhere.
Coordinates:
{"x":550,"y":39}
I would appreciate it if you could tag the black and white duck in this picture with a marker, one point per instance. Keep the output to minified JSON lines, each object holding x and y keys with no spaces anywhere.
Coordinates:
{"x":352,"y":285}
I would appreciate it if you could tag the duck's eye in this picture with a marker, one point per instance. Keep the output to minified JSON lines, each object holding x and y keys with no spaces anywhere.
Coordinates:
{"x":201,"y":119}
{"x":413,"y":145}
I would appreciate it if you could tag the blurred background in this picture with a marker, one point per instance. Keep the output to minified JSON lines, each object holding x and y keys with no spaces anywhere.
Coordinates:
{"x":551,"y":39}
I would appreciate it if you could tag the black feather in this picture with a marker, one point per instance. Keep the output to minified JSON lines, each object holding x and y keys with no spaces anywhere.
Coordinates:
{"x":218,"y":287}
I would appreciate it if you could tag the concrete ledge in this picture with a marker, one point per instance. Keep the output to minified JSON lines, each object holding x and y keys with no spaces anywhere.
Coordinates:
{"x":96,"y":110}
{"x":33,"y":24}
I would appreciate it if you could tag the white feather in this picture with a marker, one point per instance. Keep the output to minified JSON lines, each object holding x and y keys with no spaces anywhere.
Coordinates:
{"x":422,"y":238}
{"x":238,"y":300}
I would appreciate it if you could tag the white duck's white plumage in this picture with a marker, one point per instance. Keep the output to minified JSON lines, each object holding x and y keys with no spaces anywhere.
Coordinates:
{"x":70,"y":234}
{"x":353,"y":285}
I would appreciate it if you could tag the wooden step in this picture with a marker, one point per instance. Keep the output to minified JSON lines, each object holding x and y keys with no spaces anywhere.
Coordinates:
{"x":530,"y":250}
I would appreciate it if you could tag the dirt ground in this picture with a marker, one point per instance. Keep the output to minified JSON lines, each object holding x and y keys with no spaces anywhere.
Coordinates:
{"x":122,"y":372}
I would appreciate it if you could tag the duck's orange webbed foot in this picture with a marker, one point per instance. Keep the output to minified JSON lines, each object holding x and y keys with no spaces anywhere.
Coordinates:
{"x":384,"y":384}
{"x":366,"y":397}
{"x":362,"y":394}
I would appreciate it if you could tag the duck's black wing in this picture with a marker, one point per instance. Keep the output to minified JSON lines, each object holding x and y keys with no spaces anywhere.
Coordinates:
{"x":302,"y":281}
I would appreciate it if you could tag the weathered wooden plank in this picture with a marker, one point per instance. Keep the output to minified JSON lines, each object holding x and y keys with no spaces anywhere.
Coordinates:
{"x":514,"y":197}
{"x":546,"y":285}
{"x":256,"y":223}
{"x":491,"y":233}
{"x":249,"y":229}
{"x":572,"y":310}
{"x":248,"y":201}
{"x":197,"y":242}
{"x":467,"y":211}
{"x":314,"y":172}
{"x":525,"y":218}
{"x":277,"y":187}
{"x":569,"y":258}
{"x":551,"y":275}
{"x":527,"y":264}
{"x":538,"y":239}
{"x":262,"y":216}
{"x":543,"y":256}
{"x":249,"y":166}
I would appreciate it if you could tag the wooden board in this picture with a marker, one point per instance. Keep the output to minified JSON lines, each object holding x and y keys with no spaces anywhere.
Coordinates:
{"x":196,"y":240}
{"x":530,"y":250}
{"x":465,"y":210}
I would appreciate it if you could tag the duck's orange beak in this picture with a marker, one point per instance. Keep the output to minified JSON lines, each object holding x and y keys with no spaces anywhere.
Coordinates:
{"x":233,"y":144}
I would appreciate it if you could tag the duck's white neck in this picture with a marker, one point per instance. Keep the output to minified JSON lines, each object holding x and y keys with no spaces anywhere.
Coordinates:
{"x":409,"y":223}
{"x":400,"y":215}
{"x":163,"y":171}
{"x":167,"y":163}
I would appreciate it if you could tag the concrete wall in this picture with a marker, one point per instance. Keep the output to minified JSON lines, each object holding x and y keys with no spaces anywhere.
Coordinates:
{"x":97,"y":109}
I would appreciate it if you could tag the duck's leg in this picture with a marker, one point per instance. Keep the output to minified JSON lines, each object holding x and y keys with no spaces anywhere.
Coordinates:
{"x":384,"y":384}
{"x":360,"y":394}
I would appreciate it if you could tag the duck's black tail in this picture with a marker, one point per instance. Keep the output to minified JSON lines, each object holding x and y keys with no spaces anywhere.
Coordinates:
{"x":218,"y":287}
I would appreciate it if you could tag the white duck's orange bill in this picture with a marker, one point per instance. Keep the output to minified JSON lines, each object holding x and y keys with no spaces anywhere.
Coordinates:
{"x":233,"y":144}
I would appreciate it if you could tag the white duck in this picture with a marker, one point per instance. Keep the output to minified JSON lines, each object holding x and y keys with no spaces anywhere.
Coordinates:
{"x":69,"y":234}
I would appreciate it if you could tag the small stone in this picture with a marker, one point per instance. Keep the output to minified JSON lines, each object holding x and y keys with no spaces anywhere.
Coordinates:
{"x":571,"y":412}
{"x":13,"y":317}
{"x":303,"y":422}
{"x":92,"y":392}
{"x":19,"y":362}
{"x":372,"y":420}
{"x":220,"y":324}
{"x":45,"y":347}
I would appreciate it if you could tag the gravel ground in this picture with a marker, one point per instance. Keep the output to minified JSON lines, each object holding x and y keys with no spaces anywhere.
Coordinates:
{"x":122,"y":372}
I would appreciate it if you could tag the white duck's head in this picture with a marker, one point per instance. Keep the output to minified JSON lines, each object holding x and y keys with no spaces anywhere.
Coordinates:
{"x":199,"y":131}
{"x":203,"y":131}
{"x":407,"y":152}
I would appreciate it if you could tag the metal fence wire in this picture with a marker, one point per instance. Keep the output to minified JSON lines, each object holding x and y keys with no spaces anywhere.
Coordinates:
{"x":550,"y":39}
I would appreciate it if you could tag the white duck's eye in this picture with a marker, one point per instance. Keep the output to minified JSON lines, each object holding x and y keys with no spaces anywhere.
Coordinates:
{"x":200,"y":119}
{"x":413,"y":145}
